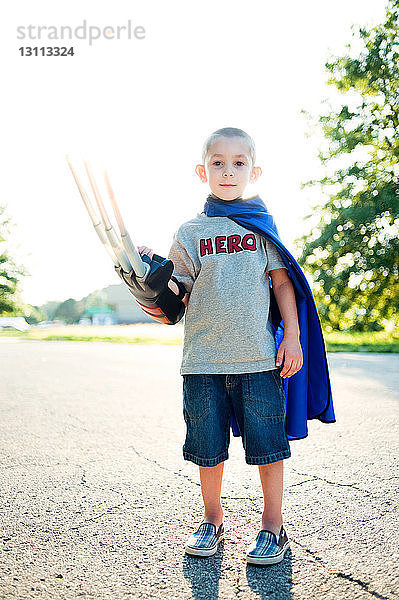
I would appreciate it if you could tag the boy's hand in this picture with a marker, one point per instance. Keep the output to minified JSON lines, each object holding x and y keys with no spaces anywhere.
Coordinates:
{"x":290,"y":352}
{"x":145,"y":250}
{"x":171,"y":284}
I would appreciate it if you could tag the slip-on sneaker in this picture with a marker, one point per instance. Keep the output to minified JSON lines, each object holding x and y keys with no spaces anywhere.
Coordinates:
{"x":267,"y":548}
{"x":204,"y":541}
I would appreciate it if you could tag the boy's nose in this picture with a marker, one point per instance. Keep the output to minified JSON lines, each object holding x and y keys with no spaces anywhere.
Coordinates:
{"x":227,"y":173}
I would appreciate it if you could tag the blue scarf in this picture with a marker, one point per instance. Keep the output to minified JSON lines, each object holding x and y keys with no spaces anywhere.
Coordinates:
{"x":308,"y":392}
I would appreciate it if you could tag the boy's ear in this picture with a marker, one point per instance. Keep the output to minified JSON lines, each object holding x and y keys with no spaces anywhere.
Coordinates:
{"x":200,"y":170}
{"x":256,"y":173}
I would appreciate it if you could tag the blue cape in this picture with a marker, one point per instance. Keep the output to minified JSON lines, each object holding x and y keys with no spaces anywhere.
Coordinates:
{"x":308,"y":392}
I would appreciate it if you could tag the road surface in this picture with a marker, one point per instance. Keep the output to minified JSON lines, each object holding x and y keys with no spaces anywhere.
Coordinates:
{"x":97,"y":501}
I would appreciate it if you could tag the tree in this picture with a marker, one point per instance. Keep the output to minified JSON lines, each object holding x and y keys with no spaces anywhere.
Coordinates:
{"x":353,"y":250}
{"x":33,"y":314}
{"x":48,"y":309}
{"x":10,"y":273}
{"x":69,"y":311}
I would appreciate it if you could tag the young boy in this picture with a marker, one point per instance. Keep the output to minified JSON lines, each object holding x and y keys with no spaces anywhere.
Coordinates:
{"x":229,"y":353}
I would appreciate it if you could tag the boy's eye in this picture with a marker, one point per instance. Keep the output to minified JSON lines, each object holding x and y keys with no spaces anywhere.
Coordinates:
{"x":219,"y":162}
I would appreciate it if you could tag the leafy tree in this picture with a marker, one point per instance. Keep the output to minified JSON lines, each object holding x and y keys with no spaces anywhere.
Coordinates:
{"x":69,"y":311}
{"x":10,"y":273}
{"x":352,"y":252}
{"x":49,"y":309}
{"x":33,"y":314}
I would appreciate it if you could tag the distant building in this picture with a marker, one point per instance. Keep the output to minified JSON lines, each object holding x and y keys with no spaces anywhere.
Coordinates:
{"x":99,"y":315}
{"x":125,"y":308}
{"x":113,"y":305}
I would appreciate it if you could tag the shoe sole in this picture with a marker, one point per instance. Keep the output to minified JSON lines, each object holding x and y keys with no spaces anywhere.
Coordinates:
{"x":268,"y":560}
{"x":203,"y":551}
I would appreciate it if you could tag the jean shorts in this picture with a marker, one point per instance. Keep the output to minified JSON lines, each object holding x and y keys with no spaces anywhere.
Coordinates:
{"x":259,"y":404}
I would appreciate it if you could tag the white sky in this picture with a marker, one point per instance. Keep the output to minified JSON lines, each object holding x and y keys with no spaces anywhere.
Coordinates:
{"x":143,"y":108}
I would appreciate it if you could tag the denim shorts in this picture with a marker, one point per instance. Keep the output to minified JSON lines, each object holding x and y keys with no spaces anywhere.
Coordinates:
{"x":259,"y":404}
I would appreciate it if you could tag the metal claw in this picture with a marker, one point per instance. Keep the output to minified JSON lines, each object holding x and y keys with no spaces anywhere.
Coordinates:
{"x":139,"y":266}
{"x":109,"y":230}
{"x":97,"y":224}
{"x":122,"y":251}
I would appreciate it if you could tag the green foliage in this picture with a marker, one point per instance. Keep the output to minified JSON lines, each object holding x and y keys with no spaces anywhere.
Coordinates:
{"x":48,"y":309}
{"x":33,"y":314}
{"x":10,"y":273}
{"x":381,"y":341}
{"x":352,"y":252}
{"x":72,"y":310}
{"x":69,"y":311}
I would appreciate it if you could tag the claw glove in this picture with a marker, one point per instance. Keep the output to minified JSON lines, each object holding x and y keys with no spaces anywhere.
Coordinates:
{"x":153,"y":295}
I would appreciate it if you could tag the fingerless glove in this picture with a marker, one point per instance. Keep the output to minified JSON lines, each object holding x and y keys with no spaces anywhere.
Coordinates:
{"x":153,"y":295}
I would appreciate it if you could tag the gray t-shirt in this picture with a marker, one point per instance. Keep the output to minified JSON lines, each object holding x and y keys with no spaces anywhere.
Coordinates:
{"x":225,"y":268}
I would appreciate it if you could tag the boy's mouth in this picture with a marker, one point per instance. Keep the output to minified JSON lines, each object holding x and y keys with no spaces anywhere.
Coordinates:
{"x":228,"y":184}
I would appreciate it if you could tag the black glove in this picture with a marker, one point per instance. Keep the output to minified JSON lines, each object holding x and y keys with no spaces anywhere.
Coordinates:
{"x":154,"y":296}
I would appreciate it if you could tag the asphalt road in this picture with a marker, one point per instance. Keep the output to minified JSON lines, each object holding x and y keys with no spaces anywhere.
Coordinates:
{"x":97,"y":501}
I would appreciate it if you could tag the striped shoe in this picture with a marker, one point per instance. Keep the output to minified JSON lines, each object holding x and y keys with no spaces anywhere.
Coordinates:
{"x":204,"y":541}
{"x":268,"y":549}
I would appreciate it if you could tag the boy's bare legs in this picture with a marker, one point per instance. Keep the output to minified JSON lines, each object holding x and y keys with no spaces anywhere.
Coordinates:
{"x":211,"y":486}
{"x":271,"y":477}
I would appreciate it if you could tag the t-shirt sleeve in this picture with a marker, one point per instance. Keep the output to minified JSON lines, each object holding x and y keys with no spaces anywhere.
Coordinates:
{"x":274,"y":260}
{"x":184,"y":269}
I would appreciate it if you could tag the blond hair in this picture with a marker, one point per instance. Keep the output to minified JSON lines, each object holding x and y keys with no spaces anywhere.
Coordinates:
{"x":229,"y":132}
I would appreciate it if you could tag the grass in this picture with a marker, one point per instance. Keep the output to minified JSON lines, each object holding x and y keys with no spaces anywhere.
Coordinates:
{"x":373,"y":341}
{"x":141,"y":333}
{"x":155,"y":333}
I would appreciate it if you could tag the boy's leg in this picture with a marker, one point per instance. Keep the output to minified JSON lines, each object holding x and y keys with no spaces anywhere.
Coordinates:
{"x":271,"y":477}
{"x":260,"y":406}
{"x":211,"y":486}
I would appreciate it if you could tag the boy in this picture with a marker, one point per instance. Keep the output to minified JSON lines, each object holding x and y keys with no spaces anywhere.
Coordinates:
{"x":229,"y":354}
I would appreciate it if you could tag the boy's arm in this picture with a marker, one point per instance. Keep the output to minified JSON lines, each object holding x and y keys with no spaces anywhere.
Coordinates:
{"x":171,"y":284}
{"x":185,"y":299}
{"x":184,"y":268}
{"x":290,"y":348}
{"x":285,"y":296}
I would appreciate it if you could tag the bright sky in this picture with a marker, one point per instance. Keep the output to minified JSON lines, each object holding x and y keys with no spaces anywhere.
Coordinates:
{"x":143,"y":108}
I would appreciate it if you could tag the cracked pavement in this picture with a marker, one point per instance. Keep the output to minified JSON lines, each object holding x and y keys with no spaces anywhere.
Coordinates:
{"x":97,"y":501}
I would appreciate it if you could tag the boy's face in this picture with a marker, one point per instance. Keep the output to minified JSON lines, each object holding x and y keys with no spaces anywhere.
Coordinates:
{"x":228,"y":168}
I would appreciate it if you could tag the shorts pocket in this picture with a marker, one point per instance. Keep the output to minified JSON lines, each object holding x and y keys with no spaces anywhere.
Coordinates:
{"x":196,"y":401}
{"x":264,"y":395}
{"x":278,"y":379}
{"x":280,"y":385}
